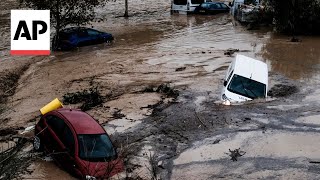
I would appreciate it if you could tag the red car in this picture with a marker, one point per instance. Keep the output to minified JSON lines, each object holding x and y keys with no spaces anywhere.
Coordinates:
{"x":77,"y":143}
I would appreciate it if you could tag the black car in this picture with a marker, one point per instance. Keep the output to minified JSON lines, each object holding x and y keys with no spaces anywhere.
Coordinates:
{"x":212,"y":8}
{"x":71,"y":38}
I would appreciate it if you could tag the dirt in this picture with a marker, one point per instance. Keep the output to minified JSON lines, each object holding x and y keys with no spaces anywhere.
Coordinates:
{"x":282,"y":90}
{"x":8,"y":131}
{"x":14,"y":160}
{"x":158,"y":92}
{"x":9,"y":82}
{"x":88,"y":98}
{"x":165,"y":89}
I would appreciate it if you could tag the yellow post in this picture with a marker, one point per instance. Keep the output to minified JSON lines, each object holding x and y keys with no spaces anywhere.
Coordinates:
{"x":53,"y":105}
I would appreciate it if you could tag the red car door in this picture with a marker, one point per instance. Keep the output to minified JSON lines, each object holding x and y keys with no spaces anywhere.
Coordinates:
{"x":60,"y":142}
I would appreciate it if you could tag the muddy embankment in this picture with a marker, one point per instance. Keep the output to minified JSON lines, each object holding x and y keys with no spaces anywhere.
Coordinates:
{"x":186,"y":136}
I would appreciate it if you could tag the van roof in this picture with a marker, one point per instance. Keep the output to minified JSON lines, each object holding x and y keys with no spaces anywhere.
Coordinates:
{"x":251,"y":68}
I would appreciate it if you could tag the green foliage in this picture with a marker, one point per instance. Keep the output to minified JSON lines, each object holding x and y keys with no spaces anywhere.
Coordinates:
{"x":296,"y":16}
{"x":65,"y":12}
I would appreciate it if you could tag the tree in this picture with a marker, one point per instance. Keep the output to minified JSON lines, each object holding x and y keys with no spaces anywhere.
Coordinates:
{"x":65,"y":12}
{"x":296,"y":16}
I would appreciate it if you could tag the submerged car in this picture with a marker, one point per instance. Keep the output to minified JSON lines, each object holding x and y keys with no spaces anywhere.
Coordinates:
{"x":211,"y":8}
{"x":246,"y":79}
{"x":71,"y":38}
{"x":77,"y":143}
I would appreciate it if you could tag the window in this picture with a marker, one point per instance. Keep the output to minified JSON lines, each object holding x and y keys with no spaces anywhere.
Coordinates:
{"x":180,"y":2}
{"x":92,"y":32}
{"x":63,"y":132}
{"x":96,"y":147}
{"x":247,"y":87}
{"x":224,"y":6}
{"x":197,"y":1}
{"x":204,"y":6}
{"x":215,"y":6}
{"x":56,"y":124}
{"x":68,"y":139}
{"x":82,"y":33}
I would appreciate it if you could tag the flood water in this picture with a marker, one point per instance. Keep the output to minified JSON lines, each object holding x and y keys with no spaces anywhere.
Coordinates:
{"x":149,"y":46}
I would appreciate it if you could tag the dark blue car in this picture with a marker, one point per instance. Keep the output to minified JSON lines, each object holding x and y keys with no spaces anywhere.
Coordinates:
{"x":71,"y":38}
{"x":212,"y":8}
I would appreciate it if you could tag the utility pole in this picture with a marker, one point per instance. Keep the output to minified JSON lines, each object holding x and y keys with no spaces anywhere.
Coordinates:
{"x":126,"y":9}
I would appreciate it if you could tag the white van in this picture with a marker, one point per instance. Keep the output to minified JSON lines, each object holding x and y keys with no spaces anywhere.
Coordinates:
{"x":246,"y":79}
{"x":185,"y":6}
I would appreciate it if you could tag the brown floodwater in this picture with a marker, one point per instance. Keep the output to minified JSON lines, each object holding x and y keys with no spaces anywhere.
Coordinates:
{"x":296,"y":60}
{"x":149,"y":46}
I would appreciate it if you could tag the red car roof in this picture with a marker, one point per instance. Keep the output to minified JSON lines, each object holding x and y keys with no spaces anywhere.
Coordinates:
{"x":81,"y":121}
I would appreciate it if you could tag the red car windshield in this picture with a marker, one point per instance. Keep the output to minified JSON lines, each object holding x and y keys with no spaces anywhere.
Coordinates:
{"x":95,"y":147}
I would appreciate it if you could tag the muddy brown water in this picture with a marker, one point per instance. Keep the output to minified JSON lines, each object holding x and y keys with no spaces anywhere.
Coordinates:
{"x":149,"y":47}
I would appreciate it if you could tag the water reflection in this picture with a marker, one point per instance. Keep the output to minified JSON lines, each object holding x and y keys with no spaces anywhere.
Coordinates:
{"x":294,"y":60}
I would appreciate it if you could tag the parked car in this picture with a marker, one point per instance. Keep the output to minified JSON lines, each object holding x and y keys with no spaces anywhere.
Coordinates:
{"x":211,"y":8}
{"x":246,"y":79}
{"x":71,"y":38}
{"x":77,"y":143}
{"x":246,"y":11}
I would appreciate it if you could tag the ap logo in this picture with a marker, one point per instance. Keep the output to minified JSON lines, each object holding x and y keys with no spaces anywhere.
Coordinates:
{"x":30,"y":32}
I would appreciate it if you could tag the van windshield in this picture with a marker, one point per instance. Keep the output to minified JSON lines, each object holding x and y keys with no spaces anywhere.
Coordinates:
{"x":247,"y":87}
{"x":95,"y":147}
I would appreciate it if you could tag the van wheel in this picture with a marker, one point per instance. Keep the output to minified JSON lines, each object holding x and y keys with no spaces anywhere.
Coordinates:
{"x":37,"y":145}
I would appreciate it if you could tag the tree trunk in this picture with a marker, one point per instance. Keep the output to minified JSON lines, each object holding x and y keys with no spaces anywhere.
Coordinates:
{"x":56,"y":37}
{"x":126,"y":9}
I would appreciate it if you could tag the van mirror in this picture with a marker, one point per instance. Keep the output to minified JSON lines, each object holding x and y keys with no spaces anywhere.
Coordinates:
{"x":225,"y":83}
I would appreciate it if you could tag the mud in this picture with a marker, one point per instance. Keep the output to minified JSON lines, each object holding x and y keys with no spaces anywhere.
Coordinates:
{"x":88,"y":98}
{"x":9,"y":82}
{"x":165,"y":89}
{"x":15,"y":159}
{"x":8,"y":131}
{"x":281,"y":90}
{"x":180,"y":124}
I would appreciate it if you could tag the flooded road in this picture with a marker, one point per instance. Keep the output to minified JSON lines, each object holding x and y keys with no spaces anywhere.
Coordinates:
{"x":278,"y":136}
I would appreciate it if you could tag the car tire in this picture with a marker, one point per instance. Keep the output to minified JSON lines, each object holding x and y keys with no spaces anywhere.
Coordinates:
{"x":37,"y":145}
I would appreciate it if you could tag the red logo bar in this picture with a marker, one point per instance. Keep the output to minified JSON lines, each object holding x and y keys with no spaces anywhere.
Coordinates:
{"x":30,"y":52}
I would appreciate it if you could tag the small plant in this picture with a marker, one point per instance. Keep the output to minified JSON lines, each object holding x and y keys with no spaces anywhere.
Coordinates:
{"x":89,"y":98}
{"x":234,"y":154}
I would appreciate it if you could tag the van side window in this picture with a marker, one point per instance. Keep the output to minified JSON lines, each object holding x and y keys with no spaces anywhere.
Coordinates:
{"x":180,"y":2}
{"x":229,"y":76}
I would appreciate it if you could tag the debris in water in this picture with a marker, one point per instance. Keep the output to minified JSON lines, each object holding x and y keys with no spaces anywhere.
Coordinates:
{"x":294,"y":39}
{"x":234,"y":154}
{"x":14,"y":162}
{"x":28,"y":129}
{"x":164,"y":89}
{"x":8,"y":131}
{"x":181,"y":69}
{"x":230,"y":52}
{"x":216,"y":141}
{"x":48,"y":158}
{"x":117,"y":114}
{"x":281,"y":90}
{"x":89,"y":98}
